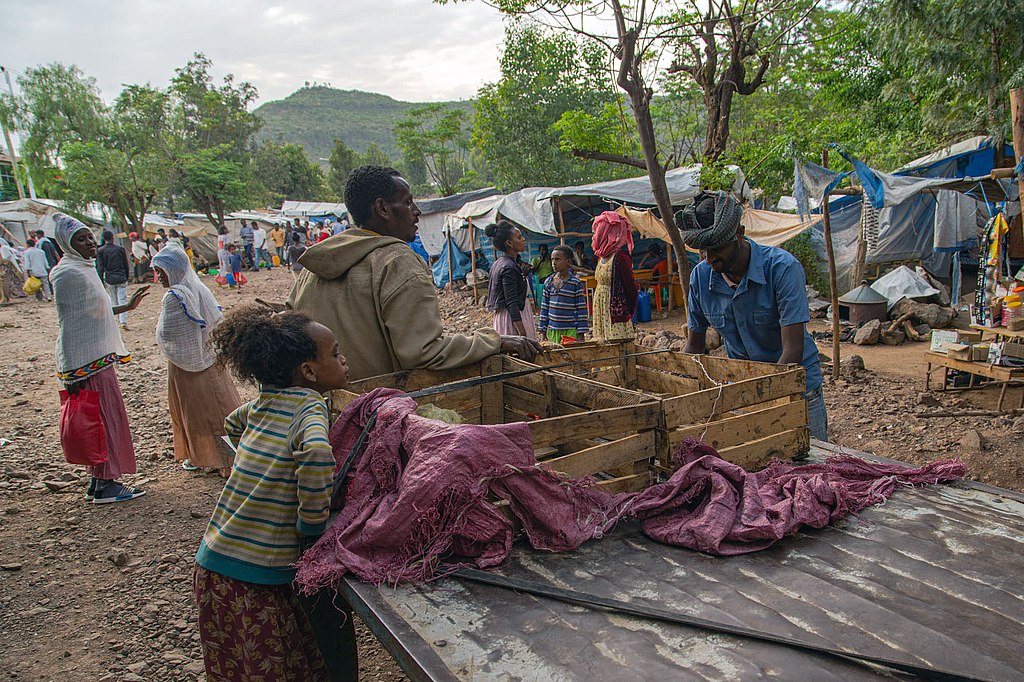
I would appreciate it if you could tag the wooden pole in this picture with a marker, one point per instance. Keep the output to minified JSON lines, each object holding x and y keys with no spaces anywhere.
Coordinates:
{"x":561,"y":221}
{"x":1017,"y":119}
{"x":831,"y":274}
{"x":451,"y":265}
{"x":472,"y":256}
{"x":668,"y":271}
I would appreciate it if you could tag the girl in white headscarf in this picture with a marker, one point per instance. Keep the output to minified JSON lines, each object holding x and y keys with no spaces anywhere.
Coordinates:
{"x":200,"y":393}
{"x":88,"y":347}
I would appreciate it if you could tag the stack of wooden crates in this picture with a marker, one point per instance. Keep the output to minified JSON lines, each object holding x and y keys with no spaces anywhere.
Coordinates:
{"x":616,"y":411}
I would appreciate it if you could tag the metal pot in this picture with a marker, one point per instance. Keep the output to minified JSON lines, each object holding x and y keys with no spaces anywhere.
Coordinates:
{"x":864,"y":303}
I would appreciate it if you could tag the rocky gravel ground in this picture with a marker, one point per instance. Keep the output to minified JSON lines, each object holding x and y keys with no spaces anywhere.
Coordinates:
{"x":104,"y":593}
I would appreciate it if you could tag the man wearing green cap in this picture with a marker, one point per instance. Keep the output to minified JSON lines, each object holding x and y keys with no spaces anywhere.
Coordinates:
{"x":754,"y":296}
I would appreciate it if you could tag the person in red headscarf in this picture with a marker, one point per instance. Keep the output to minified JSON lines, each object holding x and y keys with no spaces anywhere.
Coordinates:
{"x":615,"y":295}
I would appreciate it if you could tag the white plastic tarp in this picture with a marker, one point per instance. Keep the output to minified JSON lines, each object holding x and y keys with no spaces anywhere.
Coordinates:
{"x":903,"y":283}
{"x":299,"y":209}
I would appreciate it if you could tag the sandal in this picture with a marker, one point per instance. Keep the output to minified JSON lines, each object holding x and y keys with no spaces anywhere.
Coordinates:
{"x":188,"y":466}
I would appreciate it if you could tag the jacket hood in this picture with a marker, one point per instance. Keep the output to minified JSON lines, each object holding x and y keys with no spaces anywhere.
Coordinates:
{"x":333,"y":257}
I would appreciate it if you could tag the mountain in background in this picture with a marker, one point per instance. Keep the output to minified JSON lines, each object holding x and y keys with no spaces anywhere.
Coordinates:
{"x":314,"y":116}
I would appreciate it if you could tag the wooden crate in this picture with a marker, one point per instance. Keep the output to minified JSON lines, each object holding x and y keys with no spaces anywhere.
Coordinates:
{"x":580,"y":427}
{"x":748,"y":411}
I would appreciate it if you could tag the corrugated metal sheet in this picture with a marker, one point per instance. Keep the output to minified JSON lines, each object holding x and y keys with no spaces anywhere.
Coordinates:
{"x":935,"y":577}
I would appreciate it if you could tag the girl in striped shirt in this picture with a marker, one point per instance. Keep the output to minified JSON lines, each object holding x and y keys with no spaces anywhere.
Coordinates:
{"x":276,"y":500}
{"x":563,"y":307}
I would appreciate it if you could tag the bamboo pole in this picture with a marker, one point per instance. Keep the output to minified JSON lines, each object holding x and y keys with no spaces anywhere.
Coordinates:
{"x":825,"y":221}
{"x":472,"y":256}
{"x":668,"y":271}
{"x":1017,"y":122}
{"x":10,"y":149}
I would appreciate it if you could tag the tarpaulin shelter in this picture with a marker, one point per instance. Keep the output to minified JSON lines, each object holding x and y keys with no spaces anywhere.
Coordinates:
{"x":313,"y":209}
{"x":926,"y":211}
{"x":22,"y":216}
{"x":555,"y":214}
{"x":434,"y":214}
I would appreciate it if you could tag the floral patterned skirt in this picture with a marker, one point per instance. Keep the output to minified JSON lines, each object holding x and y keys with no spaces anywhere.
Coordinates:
{"x":254,"y":633}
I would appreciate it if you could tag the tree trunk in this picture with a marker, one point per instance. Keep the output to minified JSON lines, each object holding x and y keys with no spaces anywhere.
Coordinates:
{"x":994,"y":100}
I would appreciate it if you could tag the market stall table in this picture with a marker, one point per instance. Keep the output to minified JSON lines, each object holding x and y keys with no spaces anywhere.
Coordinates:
{"x":933,"y":578}
{"x":1003,"y":376}
{"x":999,"y":331}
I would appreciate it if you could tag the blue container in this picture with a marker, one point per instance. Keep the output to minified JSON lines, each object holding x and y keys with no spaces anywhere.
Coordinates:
{"x":643,"y":307}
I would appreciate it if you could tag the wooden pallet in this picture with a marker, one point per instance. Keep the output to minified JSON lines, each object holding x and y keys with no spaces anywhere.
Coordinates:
{"x":748,"y":411}
{"x":579,"y":426}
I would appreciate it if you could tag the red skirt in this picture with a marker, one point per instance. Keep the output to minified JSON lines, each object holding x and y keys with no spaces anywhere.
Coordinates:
{"x":254,"y":633}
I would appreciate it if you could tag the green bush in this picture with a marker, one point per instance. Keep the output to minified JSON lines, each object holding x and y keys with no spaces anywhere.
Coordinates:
{"x":816,"y":271}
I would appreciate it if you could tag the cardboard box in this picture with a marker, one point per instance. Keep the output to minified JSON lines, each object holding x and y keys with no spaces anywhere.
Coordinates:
{"x":941,"y":338}
{"x":1011,"y":349}
{"x":979,"y":352}
{"x":960,"y":351}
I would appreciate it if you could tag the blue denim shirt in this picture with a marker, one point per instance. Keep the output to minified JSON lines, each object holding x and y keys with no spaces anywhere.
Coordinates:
{"x":750,"y":318}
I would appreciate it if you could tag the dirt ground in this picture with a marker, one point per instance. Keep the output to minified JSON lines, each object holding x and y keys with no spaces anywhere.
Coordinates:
{"x":104,"y":593}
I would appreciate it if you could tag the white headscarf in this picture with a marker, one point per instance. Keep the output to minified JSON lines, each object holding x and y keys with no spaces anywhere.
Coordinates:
{"x":88,"y":338}
{"x":189,"y":313}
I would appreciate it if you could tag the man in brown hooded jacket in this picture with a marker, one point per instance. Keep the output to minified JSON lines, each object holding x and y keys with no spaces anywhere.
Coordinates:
{"x":377,"y":296}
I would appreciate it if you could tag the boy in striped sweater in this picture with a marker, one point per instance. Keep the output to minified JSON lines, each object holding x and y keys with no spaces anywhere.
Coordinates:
{"x":563,"y":307}
{"x":276,"y":500}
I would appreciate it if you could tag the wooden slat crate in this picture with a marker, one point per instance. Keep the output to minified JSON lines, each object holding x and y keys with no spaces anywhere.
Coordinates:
{"x":748,"y":411}
{"x":579,"y":426}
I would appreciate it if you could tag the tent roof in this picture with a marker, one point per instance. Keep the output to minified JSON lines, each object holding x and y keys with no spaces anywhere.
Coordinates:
{"x":963,"y":148}
{"x":453,"y":202}
{"x":298,"y":209}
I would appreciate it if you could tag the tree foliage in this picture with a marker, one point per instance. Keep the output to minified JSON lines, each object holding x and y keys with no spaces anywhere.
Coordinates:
{"x":285,"y":172}
{"x":341,"y":162}
{"x":434,"y":135}
{"x":517,"y":121}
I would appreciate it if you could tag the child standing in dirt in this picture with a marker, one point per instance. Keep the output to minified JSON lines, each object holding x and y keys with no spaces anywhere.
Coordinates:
{"x":563,"y":307}
{"x":235,"y":261}
{"x":251,"y":622}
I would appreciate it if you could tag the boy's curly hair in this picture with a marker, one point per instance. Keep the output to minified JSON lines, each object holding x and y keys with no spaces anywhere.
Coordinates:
{"x":264,"y":347}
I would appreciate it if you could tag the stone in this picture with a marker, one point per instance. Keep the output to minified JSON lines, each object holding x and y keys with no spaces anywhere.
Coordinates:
{"x":852,"y":365}
{"x":868,"y":334}
{"x":136,"y":668}
{"x":13,"y":566}
{"x":18,"y":475}
{"x":894,"y":338}
{"x":931,"y":314}
{"x":928,"y":400}
{"x":1018,"y":425}
{"x":678,"y":345}
{"x":972,"y":441}
{"x":119,"y":558}
{"x":57,"y":486}
{"x":132,"y":677}
{"x":923,"y":330}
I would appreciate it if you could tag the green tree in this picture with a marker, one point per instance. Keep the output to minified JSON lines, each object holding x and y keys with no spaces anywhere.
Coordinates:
{"x":958,"y":59}
{"x":89,"y":152}
{"x":544,"y":75}
{"x":286,"y":172}
{"x":433,"y":135}
{"x":341,"y":162}
{"x":374,"y":156}
{"x":216,"y":138}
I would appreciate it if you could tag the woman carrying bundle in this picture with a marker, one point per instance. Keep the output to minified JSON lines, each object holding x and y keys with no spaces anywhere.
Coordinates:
{"x":89,"y":345}
{"x":200,"y":394}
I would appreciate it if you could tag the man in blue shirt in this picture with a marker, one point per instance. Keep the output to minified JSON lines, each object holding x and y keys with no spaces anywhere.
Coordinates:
{"x":752,"y":295}
{"x":248,"y":237}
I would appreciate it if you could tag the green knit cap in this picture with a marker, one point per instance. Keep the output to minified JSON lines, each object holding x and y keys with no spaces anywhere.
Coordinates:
{"x":711,"y":221}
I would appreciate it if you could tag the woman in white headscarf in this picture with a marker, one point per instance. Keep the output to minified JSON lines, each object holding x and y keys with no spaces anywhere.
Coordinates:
{"x":89,"y":346}
{"x":200,"y":393}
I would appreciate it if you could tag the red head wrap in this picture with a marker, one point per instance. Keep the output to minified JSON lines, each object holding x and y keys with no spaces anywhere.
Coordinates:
{"x":611,"y":233}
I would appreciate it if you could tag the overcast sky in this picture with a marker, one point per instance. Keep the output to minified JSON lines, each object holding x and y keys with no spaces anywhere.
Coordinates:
{"x":412,"y":50}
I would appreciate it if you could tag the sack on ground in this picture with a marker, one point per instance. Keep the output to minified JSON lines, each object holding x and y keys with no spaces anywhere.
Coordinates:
{"x":32,"y":285}
{"x":82,"y":435}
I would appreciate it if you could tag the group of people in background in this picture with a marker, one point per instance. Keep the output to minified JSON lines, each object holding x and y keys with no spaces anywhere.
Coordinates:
{"x":563,"y":315}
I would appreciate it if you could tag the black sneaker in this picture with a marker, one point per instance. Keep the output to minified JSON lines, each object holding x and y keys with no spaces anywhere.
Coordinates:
{"x":90,"y":492}
{"x":115,"y":491}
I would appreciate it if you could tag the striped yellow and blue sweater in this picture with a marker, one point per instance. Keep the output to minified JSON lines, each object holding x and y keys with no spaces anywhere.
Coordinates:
{"x":279,"y":489}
